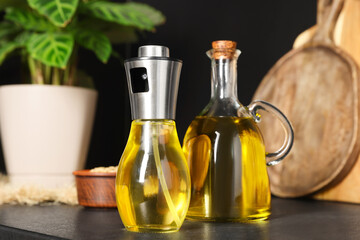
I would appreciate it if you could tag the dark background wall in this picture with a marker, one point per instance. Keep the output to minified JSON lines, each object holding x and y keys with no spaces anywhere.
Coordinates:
{"x":265,"y":30}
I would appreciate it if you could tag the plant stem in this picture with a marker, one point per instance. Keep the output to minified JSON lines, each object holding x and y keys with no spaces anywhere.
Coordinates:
{"x":36,"y":71}
{"x":39,"y":77}
{"x":70,"y":72}
{"x":45,"y":74}
{"x":67,"y":76}
{"x":32,"y":69}
{"x":47,"y":71}
{"x":56,"y":76}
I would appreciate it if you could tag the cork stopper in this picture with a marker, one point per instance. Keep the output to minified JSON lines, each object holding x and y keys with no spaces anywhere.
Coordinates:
{"x":224,"y":49}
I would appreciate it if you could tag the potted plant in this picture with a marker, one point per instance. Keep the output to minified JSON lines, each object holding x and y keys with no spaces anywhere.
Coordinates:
{"x":46,"y":126}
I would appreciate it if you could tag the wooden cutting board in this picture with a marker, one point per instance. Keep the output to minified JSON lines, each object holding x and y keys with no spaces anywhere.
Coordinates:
{"x":304,"y":37}
{"x":316,"y":87}
{"x":308,"y":34}
{"x":347,"y":30}
{"x":347,"y":36}
{"x":346,"y":33}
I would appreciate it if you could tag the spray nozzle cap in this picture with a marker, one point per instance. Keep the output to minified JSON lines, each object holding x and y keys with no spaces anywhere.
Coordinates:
{"x":153,"y":51}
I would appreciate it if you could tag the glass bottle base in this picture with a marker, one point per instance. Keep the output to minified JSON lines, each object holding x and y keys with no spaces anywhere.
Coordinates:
{"x":152,"y":229}
{"x":259,"y":217}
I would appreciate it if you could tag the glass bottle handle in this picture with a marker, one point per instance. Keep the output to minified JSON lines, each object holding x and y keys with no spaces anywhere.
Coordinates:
{"x":275,"y":157}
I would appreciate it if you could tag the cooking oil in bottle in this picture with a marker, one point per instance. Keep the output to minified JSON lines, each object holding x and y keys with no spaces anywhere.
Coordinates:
{"x":152,"y":186}
{"x":228,"y":170}
{"x":153,"y":178}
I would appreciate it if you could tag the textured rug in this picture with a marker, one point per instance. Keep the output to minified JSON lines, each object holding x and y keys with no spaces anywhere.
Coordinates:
{"x":31,"y":194}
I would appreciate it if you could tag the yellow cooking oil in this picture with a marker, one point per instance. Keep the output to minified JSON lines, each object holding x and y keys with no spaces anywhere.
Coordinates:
{"x":229,"y":180}
{"x":153,"y":183}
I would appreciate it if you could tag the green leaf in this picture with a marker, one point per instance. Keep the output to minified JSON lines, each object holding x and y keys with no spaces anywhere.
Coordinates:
{"x":116,"y":33}
{"x":59,"y":12}
{"x":23,"y":38}
{"x":7,"y":29}
{"x":95,"y":41}
{"x":138,"y":15}
{"x":28,"y":20}
{"x":52,"y":49}
{"x":6,"y":49}
{"x":155,"y":16}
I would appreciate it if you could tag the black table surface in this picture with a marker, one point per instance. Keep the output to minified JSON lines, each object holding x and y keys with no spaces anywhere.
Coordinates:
{"x":291,"y":219}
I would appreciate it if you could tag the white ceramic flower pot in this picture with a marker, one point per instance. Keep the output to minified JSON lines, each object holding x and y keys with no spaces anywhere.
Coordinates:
{"x":45,"y":131}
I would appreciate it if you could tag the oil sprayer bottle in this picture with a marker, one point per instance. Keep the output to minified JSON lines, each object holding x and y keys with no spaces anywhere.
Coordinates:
{"x":153,"y":180}
{"x":225,"y":149}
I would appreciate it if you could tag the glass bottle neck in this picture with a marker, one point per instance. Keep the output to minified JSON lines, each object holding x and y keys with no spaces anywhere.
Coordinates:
{"x":224,"y":101}
{"x":224,"y":78}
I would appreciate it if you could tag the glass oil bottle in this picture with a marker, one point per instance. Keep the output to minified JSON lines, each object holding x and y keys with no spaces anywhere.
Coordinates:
{"x":153,"y":179}
{"x":225,"y":150}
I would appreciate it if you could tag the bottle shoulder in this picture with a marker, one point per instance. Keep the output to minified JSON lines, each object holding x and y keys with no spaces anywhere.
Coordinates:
{"x":221,"y":127}
{"x":226,"y":107}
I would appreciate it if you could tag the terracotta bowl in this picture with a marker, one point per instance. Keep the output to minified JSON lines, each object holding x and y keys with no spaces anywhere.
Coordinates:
{"x":95,"y":189}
